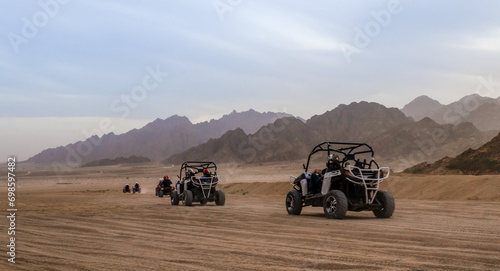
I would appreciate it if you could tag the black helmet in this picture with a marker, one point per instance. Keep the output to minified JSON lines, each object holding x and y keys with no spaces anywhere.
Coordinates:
{"x":330,"y":162}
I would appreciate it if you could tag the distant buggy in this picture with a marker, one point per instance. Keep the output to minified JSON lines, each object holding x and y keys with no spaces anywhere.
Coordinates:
{"x":126,"y":189}
{"x":197,"y":183}
{"x":350,"y":182}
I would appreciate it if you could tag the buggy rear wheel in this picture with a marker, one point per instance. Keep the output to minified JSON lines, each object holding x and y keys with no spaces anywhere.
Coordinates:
{"x":386,"y":199}
{"x":293,"y":202}
{"x":160,"y":193}
{"x":174,"y":198}
{"x":335,"y":204}
{"x":220,"y":197}
{"x":187,"y":200}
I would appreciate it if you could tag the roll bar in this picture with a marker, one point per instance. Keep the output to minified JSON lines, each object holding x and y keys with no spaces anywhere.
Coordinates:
{"x":197,"y":166}
{"x":343,"y":148}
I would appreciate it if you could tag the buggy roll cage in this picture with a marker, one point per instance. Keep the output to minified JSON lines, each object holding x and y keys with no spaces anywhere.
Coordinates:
{"x":348,"y":150}
{"x":197,"y":167}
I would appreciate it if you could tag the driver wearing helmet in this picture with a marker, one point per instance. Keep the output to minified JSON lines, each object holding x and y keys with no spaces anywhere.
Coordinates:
{"x":189,"y":174}
{"x":332,"y":164}
{"x":136,"y":185}
{"x":166,"y":182}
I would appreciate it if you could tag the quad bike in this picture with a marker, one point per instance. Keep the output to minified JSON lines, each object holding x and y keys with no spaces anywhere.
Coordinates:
{"x":162,"y":190}
{"x":126,"y":189}
{"x":342,"y":187}
{"x":136,"y":189}
{"x":202,"y":188}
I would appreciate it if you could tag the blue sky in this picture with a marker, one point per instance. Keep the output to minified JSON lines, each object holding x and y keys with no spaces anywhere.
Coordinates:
{"x":78,"y":61}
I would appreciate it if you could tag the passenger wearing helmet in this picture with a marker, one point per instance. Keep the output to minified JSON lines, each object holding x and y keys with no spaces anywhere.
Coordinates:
{"x":206,"y":173}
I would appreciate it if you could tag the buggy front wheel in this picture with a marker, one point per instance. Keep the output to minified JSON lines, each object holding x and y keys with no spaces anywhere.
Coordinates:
{"x":293,"y":202}
{"x":174,"y":198}
{"x":187,"y":200}
{"x":335,"y":204}
{"x":220,"y":197}
{"x":388,"y":205}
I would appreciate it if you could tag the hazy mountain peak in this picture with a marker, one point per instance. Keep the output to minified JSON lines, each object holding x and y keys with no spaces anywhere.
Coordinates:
{"x":162,"y":138}
{"x":421,"y":107}
{"x":427,"y":121}
{"x":482,"y":112}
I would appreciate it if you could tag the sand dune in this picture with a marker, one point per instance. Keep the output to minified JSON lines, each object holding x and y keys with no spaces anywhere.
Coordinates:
{"x":87,"y":223}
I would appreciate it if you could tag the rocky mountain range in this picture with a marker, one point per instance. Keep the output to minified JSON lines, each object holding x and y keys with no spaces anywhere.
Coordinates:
{"x":247,"y":137}
{"x":483,"y":112}
{"x":284,"y":140}
{"x":117,"y":161}
{"x":157,"y":140}
{"x":484,"y":160}
{"x":397,"y":140}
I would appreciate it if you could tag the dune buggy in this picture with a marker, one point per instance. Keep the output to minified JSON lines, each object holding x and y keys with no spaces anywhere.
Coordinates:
{"x":350,"y":182}
{"x":197,"y":183}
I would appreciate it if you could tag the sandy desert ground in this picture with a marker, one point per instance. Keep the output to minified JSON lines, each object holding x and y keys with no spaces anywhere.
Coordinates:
{"x":83,"y":221}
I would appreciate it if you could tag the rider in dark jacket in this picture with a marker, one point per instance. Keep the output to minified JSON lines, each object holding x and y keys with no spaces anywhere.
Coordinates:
{"x":166,"y":182}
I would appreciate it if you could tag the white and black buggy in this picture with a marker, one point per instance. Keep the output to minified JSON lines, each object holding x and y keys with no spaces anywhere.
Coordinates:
{"x":197,"y":183}
{"x":350,"y":182}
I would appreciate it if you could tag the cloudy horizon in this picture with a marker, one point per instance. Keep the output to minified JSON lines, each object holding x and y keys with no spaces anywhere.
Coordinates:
{"x":67,"y":64}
